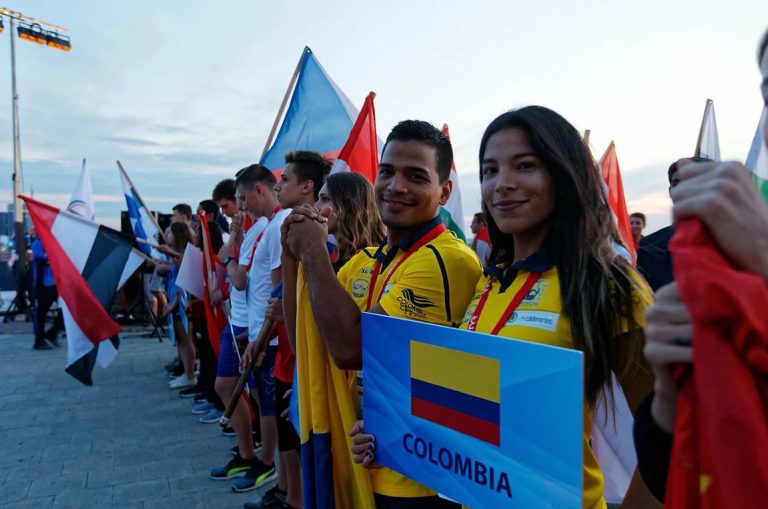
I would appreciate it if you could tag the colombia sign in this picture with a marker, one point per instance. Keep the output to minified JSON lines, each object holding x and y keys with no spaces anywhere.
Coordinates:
{"x":482,"y":419}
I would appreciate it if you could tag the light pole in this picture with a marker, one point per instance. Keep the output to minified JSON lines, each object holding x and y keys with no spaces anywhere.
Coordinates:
{"x":32,"y":30}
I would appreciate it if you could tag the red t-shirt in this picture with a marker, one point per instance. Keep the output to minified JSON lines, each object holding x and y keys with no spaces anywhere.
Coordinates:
{"x":285,"y":360}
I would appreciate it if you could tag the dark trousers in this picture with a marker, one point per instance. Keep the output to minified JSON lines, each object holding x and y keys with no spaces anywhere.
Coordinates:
{"x":45,"y":296}
{"x":208,"y":363}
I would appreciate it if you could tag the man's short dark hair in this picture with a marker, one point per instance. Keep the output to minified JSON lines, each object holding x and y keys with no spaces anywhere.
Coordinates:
{"x":480,"y":216}
{"x":210,"y":207}
{"x":255,"y":174}
{"x":640,"y":215}
{"x":183,"y":209}
{"x":673,"y":167}
{"x":426,"y":133}
{"x":224,"y":190}
{"x":308,"y":165}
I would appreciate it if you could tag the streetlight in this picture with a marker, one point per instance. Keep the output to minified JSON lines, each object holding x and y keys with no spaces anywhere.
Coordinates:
{"x":53,"y":36}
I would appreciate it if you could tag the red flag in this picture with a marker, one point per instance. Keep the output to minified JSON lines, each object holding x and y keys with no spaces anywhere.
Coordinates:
{"x":215,"y":317}
{"x":718,"y":457}
{"x":609,"y":167}
{"x":360,"y":153}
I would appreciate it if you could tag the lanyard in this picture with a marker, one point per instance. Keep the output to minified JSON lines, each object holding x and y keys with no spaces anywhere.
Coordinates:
{"x":426,"y":239}
{"x":516,"y":300}
{"x":261,"y":234}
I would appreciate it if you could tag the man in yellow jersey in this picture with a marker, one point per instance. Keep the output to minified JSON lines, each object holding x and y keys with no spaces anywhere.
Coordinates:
{"x":421,"y":272}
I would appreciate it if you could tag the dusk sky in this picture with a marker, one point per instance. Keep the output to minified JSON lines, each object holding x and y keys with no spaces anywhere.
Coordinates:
{"x":184,"y":93}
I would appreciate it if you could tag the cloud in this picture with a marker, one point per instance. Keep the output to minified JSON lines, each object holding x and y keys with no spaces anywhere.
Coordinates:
{"x":127,"y":140}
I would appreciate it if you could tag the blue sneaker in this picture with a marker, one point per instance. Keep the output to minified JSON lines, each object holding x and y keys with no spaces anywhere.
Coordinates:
{"x":257,"y":476}
{"x":237,"y":467}
{"x":202,"y":408}
{"x":211,"y":416}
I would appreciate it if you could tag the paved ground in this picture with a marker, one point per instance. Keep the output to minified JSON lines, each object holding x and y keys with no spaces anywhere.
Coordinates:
{"x":127,"y":441}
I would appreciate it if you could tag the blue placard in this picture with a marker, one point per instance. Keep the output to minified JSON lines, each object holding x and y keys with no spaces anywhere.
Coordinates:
{"x":488,"y":421}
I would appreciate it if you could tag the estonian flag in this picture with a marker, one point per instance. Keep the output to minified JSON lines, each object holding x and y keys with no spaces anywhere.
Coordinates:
{"x":90,"y":263}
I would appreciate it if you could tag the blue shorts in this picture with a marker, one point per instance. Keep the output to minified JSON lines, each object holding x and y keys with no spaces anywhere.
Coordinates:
{"x":265,"y":383}
{"x":229,"y":361}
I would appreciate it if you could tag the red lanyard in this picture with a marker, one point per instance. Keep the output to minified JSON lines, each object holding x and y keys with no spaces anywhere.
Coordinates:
{"x":426,"y":239}
{"x":261,"y":234}
{"x":516,"y":300}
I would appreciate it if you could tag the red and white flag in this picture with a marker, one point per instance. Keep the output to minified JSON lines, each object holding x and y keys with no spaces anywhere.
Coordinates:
{"x":360,"y":153}
{"x":90,"y":262}
{"x":609,"y":168}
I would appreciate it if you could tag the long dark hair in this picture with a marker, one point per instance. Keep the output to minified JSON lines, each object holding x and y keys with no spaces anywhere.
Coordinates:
{"x":596,"y":286}
{"x":357,"y":216}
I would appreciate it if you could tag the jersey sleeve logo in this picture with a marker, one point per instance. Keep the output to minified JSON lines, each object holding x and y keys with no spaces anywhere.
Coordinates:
{"x":360,"y":288}
{"x":413,"y":305}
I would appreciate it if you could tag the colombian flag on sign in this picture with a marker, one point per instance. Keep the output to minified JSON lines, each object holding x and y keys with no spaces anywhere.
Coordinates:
{"x":456,"y":389}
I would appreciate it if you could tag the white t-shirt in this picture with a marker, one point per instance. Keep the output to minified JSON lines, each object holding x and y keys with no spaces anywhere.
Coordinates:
{"x":237,"y":298}
{"x":266,"y":258}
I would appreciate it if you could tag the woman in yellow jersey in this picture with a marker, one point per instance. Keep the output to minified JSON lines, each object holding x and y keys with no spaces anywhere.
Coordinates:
{"x":554,"y":276}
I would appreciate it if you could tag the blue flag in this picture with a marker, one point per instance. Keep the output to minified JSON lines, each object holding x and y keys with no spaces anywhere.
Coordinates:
{"x":488,"y":421}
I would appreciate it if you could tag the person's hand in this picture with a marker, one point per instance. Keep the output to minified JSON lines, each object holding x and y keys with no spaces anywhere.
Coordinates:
{"x":226,"y":251}
{"x":668,"y":336}
{"x":275,"y":310}
{"x":304,"y":229}
{"x":215,"y":296}
{"x":363,"y":447}
{"x":724,"y":197}
{"x":236,"y":228}
{"x":247,"y":356}
{"x":163,"y":248}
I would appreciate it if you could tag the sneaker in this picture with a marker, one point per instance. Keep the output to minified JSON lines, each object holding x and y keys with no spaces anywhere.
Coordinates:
{"x":172,"y":365}
{"x":42,"y":346}
{"x":182,"y":383}
{"x":228,"y":431}
{"x":273,"y":497}
{"x":256,"y":449}
{"x":237,"y":467}
{"x":200,"y":398}
{"x":192,"y":392}
{"x":202,"y":408}
{"x":258,"y":475}
{"x":212,"y":416}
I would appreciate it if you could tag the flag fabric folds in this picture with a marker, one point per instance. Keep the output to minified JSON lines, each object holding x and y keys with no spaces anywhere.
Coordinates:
{"x":89,"y":263}
{"x":81,"y":202}
{"x":327,"y":411}
{"x":215,"y":317}
{"x":757,"y":160}
{"x":452,"y":213}
{"x":720,"y":437}
{"x":360,"y":153}
{"x":319,"y":116}
{"x":143,"y":225}
{"x":609,"y":168}
{"x":708,"y":144}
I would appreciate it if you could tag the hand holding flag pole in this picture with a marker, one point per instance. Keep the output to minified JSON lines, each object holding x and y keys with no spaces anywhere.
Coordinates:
{"x":261,"y":340}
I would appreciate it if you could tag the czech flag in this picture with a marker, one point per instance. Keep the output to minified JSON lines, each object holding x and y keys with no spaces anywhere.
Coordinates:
{"x":319,"y":116}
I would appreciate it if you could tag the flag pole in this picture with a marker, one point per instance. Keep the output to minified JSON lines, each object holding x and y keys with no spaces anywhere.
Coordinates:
{"x":130,"y":183}
{"x":586,"y":137}
{"x":283,"y":104}
{"x":707,"y":105}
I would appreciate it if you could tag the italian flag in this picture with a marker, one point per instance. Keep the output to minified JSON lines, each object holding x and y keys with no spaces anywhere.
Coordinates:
{"x":452,"y":213}
{"x":757,"y":160}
